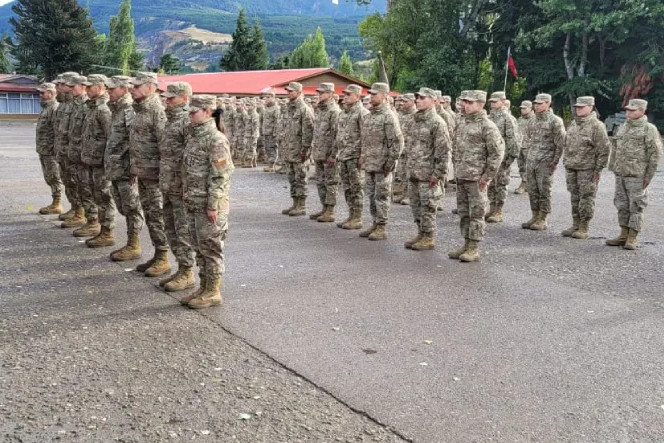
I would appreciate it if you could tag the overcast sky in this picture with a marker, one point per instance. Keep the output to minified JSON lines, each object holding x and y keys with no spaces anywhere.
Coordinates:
{"x":2,"y":2}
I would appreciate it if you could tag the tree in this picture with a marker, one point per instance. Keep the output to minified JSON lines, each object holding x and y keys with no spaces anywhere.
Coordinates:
{"x":5,"y":45}
{"x":257,"y":57}
{"x":234,"y":59}
{"x":121,"y":51}
{"x":311,"y":53}
{"x":346,"y":64}
{"x":52,"y":36}
{"x":169,"y":64}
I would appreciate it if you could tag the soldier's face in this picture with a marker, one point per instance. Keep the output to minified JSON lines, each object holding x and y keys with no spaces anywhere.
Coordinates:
{"x":407,"y":104}
{"x":472,"y":107}
{"x":424,"y":103}
{"x":46,"y":95}
{"x":292,"y":95}
{"x":635,"y":114}
{"x":582,"y":111}
{"x":200,"y":116}
{"x":95,"y":91}
{"x":350,"y":98}
{"x":77,"y":90}
{"x":178,"y":100}
{"x":114,"y":94}
{"x":525,"y":111}
{"x":542,"y":107}
{"x":269,"y":101}
{"x":377,"y":98}
{"x":499,"y":104}
{"x":141,"y":91}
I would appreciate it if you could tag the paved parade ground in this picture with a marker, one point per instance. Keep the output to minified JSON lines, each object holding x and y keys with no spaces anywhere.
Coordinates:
{"x":327,"y":337}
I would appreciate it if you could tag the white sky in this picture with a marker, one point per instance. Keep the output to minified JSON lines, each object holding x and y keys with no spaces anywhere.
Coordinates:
{"x":2,"y":2}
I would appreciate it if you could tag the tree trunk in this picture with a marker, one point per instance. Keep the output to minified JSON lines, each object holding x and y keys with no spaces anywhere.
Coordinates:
{"x":472,"y":17}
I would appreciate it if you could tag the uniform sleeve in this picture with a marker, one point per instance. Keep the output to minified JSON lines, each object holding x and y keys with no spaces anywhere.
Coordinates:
{"x":495,"y":147}
{"x":219,"y":178}
{"x":334,"y":129}
{"x":559,"y":135}
{"x":361,"y":121}
{"x":512,"y":138}
{"x":442,"y":150}
{"x":394,"y":138}
{"x":603,"y":147}
{"x":653,"y":151}
{"x":105,"y":121}
{"x":256,"y":127}
{"x":160,"y":125}
{"x":307,"y":128}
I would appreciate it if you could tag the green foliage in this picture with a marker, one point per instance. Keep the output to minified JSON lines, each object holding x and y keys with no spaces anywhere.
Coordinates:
{"x":346,"y":64}
{"x":5,"y":45}
{"x":311,"y":53}
{"x":169,"y":64}
{"x":249,"y":48}
{"x":258,"y":57}
{"x":120,"y":50}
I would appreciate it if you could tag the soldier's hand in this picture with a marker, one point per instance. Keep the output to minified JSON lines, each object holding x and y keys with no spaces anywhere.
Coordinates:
{"x":212,"y":215}
{"x":331,"y":162}
{"x":483,"y":184}
{"x":646,"y":182}
{"x":596,"y":177}
{"x":552,"y":168}
{"x":433,"y":182}
{"x":132,"y":180}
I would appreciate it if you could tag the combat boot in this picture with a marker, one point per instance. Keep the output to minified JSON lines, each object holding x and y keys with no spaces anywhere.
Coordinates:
{"x":201,"y":289}
{"x":130,"y":252}
{"x":405,"y":201}
{"x":253,"y":162}
{"x":398,"y":193}
{"x":582,"y":232}
{"x":315,"y":215}
{"x":631,"y":243}
{"x":378,"y":233}
{"x":105,"y":238}
{"x":572,"y":229}
{"x":163,"y":281}
{"x":492,"y":209}
{"x":300,"y":208}
{"x":408,"y":244}
{"x":90,"y":229}
{"x":540,"y":223}
{"x":78,"y":219}
{"x":160,"y":265}
{"x":456,"y":253}
{"x":621,"y":239}
{"x":246,"y":163}
{"x":66,"y":215}
{"x":144,"y":266}
{"x":522,"y":189}
{"x":497,"y":215}
{"x":328,"y":215}
{"x":425,"y":243}
{"x":268,"y":169}
{"x":355,"y":221}
{"x":210,"y":297}
{"x":367,"y":232}
{"x":54,"y":208}
{"x":288,"y":210}
{"x":472,"y":252}
{"x":183,"y":279}
{"x":530,"y":222}
{"x":350,"y":215}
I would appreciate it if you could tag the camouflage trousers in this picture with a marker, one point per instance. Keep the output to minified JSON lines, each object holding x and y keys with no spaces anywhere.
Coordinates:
{"x":66,"y":172}
{"x":471,"y":204}
{"x":297,"y":178}
{"x":327,"y":182}
{"x":207,"y":240}
{"x":177,"y":229}
{"x":540,"y":181}
{"x":84,"y":187}
{"x":249,"y":150}
{"x":271,"y":152}
{"x":582,"y":191}
{"x":424,"y":202}
{"x":352,"y":178}
{"x":401,"y":172}
{"x":100,"y":189}
{"x":152,"y":203}
{"x":128,"y":204}
{"x":521,"y":161}
{"x":631,"y":200}
{"x":379,"y":191}
{"x":51,"y":171}
{"x":260,"y":146}
{"x":498,"y":187}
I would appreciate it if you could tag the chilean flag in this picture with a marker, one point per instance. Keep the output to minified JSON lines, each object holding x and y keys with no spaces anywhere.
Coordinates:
{"x":510,"y":64}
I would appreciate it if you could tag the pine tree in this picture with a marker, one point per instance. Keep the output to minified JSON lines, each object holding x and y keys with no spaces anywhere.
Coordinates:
{"x":311,"y":53}
{"x":121,"y":51}
{"x":5,"y":44}
{"x":257,"y":57}
{"x":234,"y":58}
{"x":169,"y":64}
{"x":346,"y":64}
{"x":52,"y":36}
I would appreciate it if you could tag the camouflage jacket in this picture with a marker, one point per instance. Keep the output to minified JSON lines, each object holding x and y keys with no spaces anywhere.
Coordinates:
{"x":298,"y":130}
{"x":96,"y":129}
{"x":116,"y":157}
{"x":238,"y":127}
{"x":349,"y":132}
{"x":449,"y":120}
{"x":62,"y":118}
{"x":509,"y":130}
{"x":46,"y":128}
{"x":430,"y":148}
{"x":323,"y":144}
{"x":547,"y":138}
{"x":638,"y":149}
{"x":382,"y":140}
{"x":76,"y":120}
{"x":479,"y":148}
{"x":407,"y":122}
{"x":587,"y":145}
{"x":270,"y":120}
{"x":281,"y":124}
{"x":145,"y":136}
{"x":171,"y":149}
{"x":228,"y":118}
{"x":252,"y":127}
{"x":206,"y":169}
{"x":525,"y":126}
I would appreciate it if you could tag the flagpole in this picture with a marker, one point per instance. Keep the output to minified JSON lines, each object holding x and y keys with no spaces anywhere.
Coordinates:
{"x":507,"y":66}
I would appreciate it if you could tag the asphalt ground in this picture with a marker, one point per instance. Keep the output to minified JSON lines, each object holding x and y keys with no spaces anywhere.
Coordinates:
{"x":324,"y":336}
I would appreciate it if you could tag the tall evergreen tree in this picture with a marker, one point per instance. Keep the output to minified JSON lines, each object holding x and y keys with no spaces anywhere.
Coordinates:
{"x":5,"y":44}
{"x":311,"y":53}
{"x":121,"y":50}
{"x":52,"y":36}
{"x":346,"y":64}
{"x":257,"y":57}
{"x":169,"y":64}
{"x":234,"y":58}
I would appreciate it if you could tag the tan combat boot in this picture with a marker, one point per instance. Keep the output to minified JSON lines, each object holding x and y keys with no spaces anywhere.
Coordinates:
{"x":350,"y":215}
{"x":210,"y":297}
{"x":456,"y":253}
{"x":105,"y":238}
{"x":367,"y":232}
{"x":355,"y":221}
{"x":405,"y":201}
{"x":54,"y":208}
{"x":425,"y":243}
{"x":160,"y":266}
{"x":572,"y":229}
{"x":288,"y":210}
{"x":300,"y":208}
{"x":621,"y":239}
{"x":201,"y":289}
{"x":540,"y":223}
{"x":497,"y":215}
{"x":532,"y":220}
{"x":144,"y":266}
{"x":631,"y":243}
{"x":317,"y":214}
{"x":378,"y":233}
{"x":163,"y":281}
{"x":130,"y":252}
{"x":268,"y":169}
{"x":184,"y":279}
{"x":408,"y":244}
{"x":328,"y":215}
{"x":492,"y":209}
{"x":90,"y":229}
{"x":66,"y":215}
{"x":78,"y":219}
{"x":582,"y":232}
{"x":522,"y":189}
{"x":472,"y":252}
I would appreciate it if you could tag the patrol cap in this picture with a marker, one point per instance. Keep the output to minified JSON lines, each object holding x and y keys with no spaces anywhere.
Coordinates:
{"x":46,"y":87}
{"x":366,"y":99}
{"x":497,"y":96}
{"x":426,"y":92}
{"x":225,"y":96}
{"x":439,"y":93}
{"x":143,"y":78}
{"x":268,"y":94}
{"x":203,"y":101}
{"x":96,"y":80}
{"x":353,"y":89}
{"x":66,"y":76}
{"x":446,"y":99}
{"x":294,"y":86}
{"x":379,"y":87}
{"x":119,"y":81}
{"x":177,"y":89}
{"x":526,"y":104}
{"x":584,"y":101}
{"x":474,"y":95}
{"x":408,"y":97}
{"x":636,"y":103}
{"x":326,"y":87}
{"x":58,"y":79}
{"x":75,"y":80}
{"x":542,"y":98}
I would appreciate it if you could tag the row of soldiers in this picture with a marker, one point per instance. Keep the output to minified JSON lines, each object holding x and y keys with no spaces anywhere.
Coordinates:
{"x":110,"y":142}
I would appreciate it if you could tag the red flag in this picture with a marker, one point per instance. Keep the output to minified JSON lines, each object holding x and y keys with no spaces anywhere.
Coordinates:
{"x":512,"y":66}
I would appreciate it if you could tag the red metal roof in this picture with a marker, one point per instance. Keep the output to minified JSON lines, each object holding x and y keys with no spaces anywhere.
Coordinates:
{"x":7,"y":85}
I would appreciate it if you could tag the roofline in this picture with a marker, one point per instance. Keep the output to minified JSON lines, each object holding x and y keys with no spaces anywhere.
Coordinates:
{"x":354,"y":80}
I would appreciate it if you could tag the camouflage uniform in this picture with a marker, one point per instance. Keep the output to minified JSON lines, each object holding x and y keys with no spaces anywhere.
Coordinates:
{"x":238,"y":131}
{"x":281,"y":135}
{"x":228,"y":118}
{"x":406,"y":121}
{"x":509,"y":130}
{"x":251,"y":133}
{"x":298,"y":135}
{"x":324,"y":147}
{"x":46,"y":136}
{"x":269,"y":130}
{"x":61,"y":125}
{"x":525,"y":123}
{"x":78,"y":170}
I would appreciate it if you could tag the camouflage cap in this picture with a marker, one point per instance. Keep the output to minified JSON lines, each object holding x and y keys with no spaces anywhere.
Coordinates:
{"x":408,"y":97}
{"x":366,"y":99}
{"x":143,"y":78}
{"x":584,"y":101}
{"x":294,"y":86}
{"x":177,"y":89}
{"x":96,"y":80}
{"x":353,"y":89}
{"x":446,"y":99}
{"x":426,"y":92}
{"x":325,"y":87}
{"x":636,"y":103}
{"x":66,"y":76}
{"x":75,"y":80}
{"x":119,"y":81}
{"x":58,"y":79}
{"x":474,"y":95}
{"x":526,"y":104}
{"x":268,"y":94}
{"x":225,"y":96}
{"x":379,"y":88}
{"x":497,"y":96}
{"x":542,"y":98}
{"x":203,"y":101}
{"x":46,"y":87}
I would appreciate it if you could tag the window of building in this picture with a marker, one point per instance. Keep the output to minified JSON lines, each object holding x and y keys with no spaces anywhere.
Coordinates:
{"x":19,"y":103}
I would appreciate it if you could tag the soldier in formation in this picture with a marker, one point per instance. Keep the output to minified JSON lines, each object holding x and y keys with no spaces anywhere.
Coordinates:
{"x":251,"y":134}
{"x":527,"y":117}
{"x":77,"y":170}
{"x":45,"y":140}
{"x":406,"y":118}
{"x":269,"y":130}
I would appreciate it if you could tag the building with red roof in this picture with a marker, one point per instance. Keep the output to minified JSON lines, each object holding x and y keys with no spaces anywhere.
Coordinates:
{"x":19,"y":96}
